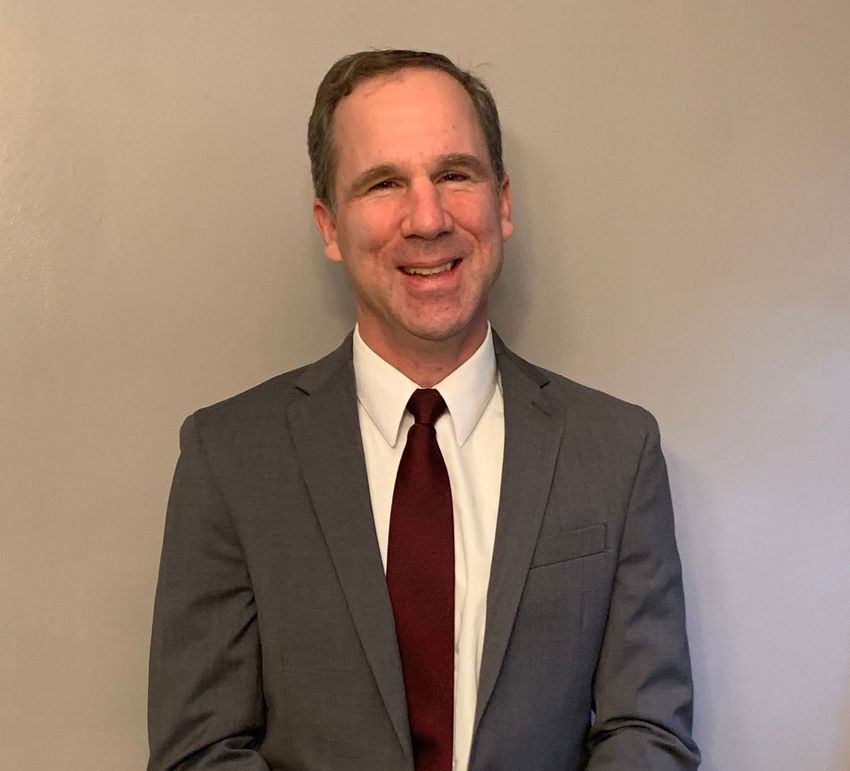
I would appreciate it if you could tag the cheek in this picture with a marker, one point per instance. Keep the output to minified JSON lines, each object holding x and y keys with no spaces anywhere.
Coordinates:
{"x":373,"y":227}
{"x":479,"y":215}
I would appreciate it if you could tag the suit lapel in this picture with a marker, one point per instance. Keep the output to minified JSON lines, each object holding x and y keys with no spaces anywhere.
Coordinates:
{"x":533,"y":430}
{"x":326,"y":433}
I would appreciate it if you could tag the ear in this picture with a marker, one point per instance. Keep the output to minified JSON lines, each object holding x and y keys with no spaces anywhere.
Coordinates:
{"x":505,"y":207}
{"x":326,"y":225}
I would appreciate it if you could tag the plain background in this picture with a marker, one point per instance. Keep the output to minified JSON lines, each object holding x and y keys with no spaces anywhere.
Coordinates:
{"x":681,"y":173}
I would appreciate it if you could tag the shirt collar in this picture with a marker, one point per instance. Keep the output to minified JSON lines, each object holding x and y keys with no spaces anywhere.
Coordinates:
{"x":384,"y":391}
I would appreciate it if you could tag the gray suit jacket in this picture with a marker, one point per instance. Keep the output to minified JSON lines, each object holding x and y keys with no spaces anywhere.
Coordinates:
{"x":273,"y":638}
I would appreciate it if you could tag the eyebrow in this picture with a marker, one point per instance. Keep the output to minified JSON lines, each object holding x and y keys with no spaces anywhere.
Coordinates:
{"x":370,"y":176}
{"x":374,"y":174}
{"x":466,"y":161}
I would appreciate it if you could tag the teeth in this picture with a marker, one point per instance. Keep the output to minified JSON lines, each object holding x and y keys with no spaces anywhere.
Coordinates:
{"x":429,"y":271}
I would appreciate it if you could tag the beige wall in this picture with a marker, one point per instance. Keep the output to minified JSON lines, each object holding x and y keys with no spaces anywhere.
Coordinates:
{"x":682,"y":177}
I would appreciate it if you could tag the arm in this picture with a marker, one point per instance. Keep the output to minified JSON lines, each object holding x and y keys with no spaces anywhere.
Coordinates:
{"x":205,"y":703}
{"x":642,"y":687}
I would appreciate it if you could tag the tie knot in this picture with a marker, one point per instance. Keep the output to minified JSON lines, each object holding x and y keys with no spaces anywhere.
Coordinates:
{"x":426,"y":405}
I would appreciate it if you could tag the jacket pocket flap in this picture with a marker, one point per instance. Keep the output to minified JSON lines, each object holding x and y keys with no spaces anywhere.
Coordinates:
{"x":569,"y":545}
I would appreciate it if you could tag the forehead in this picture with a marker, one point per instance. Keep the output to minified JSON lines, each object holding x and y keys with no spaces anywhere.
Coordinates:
{"x":405,"y":112}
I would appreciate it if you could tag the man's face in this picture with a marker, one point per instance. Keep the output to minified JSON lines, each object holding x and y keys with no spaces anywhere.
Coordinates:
{"x":420,"y":218}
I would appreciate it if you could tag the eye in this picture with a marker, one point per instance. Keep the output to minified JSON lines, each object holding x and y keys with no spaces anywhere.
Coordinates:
{"x":455,"y":176}
{"x":384,"y":184}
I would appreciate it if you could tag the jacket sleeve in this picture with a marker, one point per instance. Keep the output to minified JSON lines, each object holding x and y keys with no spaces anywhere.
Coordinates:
{"x":643,"y":700}
{"x":205,"y":704}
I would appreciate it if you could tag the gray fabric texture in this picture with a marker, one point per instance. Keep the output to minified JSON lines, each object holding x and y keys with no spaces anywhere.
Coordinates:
{"x":273,"y":642}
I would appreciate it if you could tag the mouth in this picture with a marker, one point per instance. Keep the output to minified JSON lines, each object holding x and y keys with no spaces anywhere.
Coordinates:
{"x":434,"y":270}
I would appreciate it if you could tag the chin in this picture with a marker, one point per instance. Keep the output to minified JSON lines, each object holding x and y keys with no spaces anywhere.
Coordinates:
{"x":442,"y":332}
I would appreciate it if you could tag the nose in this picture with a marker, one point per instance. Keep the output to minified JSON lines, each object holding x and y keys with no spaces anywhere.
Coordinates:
{"x":426,"y":215}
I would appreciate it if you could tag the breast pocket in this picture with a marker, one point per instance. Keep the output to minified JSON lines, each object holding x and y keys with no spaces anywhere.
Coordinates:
{"x":566,"y":545}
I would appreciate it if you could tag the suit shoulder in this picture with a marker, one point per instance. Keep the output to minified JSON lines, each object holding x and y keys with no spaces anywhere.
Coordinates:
{"x":590,"y":403}
{"x":599,"y":401}
{"x":268,"y":401}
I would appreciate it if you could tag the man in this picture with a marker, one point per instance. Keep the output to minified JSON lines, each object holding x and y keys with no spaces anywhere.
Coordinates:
{"x":491,"y":584}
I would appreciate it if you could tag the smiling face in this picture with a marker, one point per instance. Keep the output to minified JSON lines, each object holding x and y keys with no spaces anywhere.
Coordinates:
{"x":420,"y":218}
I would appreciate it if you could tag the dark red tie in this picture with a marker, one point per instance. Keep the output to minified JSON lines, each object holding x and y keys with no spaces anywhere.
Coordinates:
{"x":421,"y":581}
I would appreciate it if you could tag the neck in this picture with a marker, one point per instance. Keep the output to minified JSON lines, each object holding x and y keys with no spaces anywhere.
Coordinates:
{"x":426,"y":362}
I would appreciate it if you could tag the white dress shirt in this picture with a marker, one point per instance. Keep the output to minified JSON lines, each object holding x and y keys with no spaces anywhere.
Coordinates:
{"x":471,"y":435}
